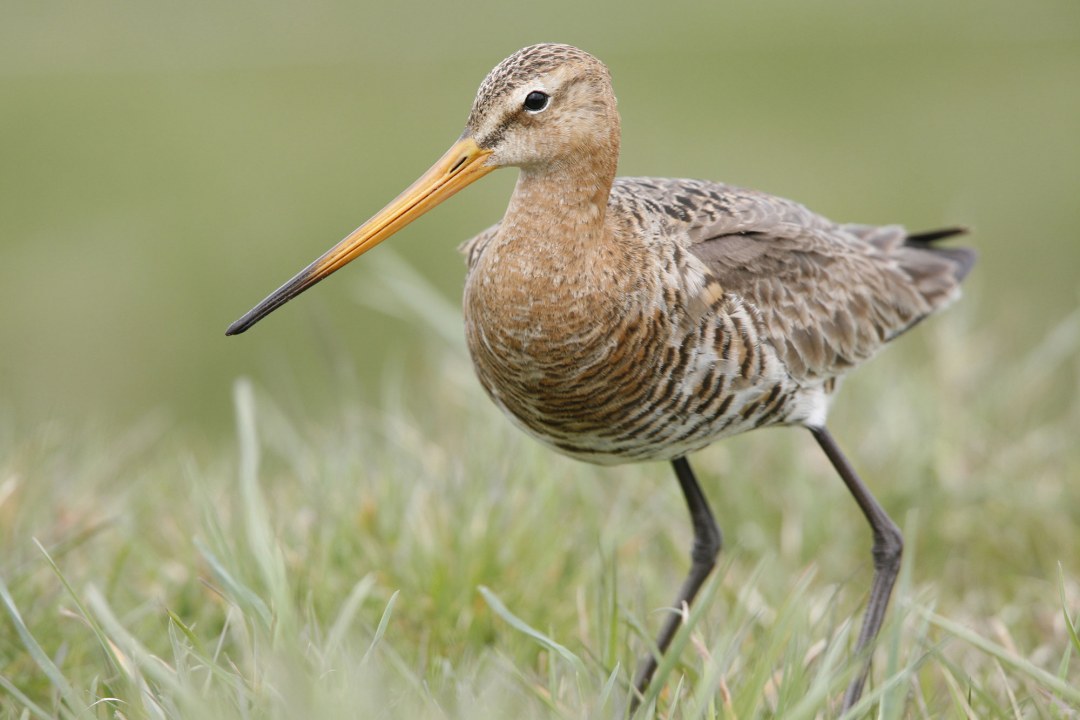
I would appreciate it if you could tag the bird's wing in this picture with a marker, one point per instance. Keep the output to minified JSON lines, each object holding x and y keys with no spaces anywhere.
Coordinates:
{"x":829,"y":296}
{"x":474,"y":246}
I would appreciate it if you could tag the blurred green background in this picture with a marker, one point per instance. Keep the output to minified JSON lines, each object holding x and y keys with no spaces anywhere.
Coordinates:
{"x":165,"y":165}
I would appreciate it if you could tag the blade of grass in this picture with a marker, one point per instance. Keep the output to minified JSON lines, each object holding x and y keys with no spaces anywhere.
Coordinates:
{"x":347,"y":614}
{"x":1019,"y":664}
{"x":381,"y":629}
{"x":71,"y":699}
{"x":609,"y":687}
{"x":830,"y":678}
{"x":28,"y":705}
{"x":1008,"y":691}
{"x":196,"y":649}
{"x":1065,"y":609}
{"x":396,"y":285}
{"x":140,"y":661}
{"x":261,"y":541}
{"x":958,"y":696}
{"x":238,"y":593}
{"x":671,"y":658}
{"x":103,"y":641}
{"x":520,"y":625}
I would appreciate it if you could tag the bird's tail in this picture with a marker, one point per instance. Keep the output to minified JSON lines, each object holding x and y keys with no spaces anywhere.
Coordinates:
{"x":962,"y":258}
{"x":936,"y":272}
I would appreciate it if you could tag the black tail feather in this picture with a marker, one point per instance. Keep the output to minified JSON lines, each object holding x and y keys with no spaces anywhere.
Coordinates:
{"x":963,"y":258}
{"x":932,"y":236}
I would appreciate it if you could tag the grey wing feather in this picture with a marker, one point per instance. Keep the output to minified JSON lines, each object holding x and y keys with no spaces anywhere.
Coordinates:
{"x":829,"y":295}
{"x":474,"y":247}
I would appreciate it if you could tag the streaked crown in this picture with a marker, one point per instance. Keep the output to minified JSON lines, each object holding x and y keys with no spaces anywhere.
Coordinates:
{"x":543,"y":103}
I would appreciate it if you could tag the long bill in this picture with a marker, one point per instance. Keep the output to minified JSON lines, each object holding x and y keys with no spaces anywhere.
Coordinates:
{"x":463,"y":164}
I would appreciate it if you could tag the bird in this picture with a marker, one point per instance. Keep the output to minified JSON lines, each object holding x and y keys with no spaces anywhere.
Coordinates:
{"x":628,"y":319}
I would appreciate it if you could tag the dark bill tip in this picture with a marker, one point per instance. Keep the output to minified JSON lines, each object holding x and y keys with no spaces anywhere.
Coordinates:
{"x":239,"y":326}
{"x":298,"y":284}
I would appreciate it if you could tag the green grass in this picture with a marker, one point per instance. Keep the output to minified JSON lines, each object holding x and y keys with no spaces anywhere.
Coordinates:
{"x":166,"y":166}
{"x":420,"y":558}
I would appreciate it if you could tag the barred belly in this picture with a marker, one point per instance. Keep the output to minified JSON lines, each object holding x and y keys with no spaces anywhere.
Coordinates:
{"x":641,"y":392}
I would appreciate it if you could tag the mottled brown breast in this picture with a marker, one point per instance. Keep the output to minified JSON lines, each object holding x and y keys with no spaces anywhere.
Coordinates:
{"x":703,"y":311}
{"x":608,"y":373}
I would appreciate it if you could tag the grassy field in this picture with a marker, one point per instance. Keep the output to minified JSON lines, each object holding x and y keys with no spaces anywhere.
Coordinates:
{"x":423,"y":559}
{"x":327,"y":518}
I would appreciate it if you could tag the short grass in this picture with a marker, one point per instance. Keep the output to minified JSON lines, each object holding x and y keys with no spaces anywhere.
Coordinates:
{"x":418,"y":557}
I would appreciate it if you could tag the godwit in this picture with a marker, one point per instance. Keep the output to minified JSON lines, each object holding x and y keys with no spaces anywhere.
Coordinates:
{"x":628,"y":319}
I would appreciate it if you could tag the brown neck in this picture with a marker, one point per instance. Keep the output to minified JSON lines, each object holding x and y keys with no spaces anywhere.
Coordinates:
{"x":554,"y":260}
{"x":562,"y":206}
{"x":551,"y":264}
{"x":569,"y":193}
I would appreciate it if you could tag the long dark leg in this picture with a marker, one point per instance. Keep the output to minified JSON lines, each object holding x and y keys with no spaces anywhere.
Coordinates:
{"x":888,"y":546}
{"x":707,"y":540}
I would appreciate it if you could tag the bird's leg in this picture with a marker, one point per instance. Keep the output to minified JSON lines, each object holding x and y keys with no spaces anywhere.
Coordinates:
{"x":707,"y":540}
{"x":888,"y":547}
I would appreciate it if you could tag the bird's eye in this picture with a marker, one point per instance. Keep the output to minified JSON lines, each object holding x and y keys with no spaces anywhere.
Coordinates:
{"x":536,"y":101}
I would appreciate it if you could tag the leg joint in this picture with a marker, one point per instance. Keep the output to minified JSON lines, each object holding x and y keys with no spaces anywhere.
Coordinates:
{"x":888,"y":547}
{"x":707,"y":543}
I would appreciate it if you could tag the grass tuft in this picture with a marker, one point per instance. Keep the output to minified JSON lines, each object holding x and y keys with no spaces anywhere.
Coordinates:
{"x":420,"y":558}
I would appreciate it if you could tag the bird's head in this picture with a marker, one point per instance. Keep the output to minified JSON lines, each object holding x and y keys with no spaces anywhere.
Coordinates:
{"x":545,"y":106}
